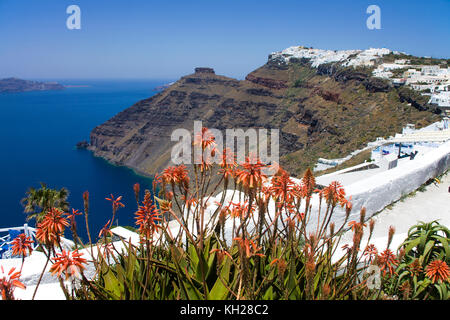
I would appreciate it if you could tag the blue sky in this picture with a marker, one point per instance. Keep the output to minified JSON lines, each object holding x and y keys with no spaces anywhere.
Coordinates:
{"x":167,"y":39}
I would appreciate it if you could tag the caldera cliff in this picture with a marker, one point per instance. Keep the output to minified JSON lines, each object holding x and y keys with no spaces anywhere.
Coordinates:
{"x":325,"y":110}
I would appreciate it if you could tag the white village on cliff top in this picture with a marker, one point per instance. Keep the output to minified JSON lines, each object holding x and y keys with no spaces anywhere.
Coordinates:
{"x":431,"y":80}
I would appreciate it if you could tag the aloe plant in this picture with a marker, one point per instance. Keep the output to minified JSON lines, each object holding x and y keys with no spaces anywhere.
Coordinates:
{"x":426,"y":242}
{"x":272,"y":255}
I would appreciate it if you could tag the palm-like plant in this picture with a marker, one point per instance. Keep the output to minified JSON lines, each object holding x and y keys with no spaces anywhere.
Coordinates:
{"x":427,"y":245}
{"x":39,"y":201}
{"x":427,"y":242}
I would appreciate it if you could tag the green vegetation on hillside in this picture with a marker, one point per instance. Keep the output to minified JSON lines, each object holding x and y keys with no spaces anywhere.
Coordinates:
{"x":345,"y":114}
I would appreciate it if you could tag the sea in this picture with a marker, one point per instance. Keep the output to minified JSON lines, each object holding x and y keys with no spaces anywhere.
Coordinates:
{"x":38,"y":135}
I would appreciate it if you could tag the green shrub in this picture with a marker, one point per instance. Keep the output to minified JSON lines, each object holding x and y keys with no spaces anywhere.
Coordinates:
{"x":426,"y":242}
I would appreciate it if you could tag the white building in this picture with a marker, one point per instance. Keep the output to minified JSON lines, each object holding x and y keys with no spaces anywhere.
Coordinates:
{"x":442,"y":99}
{"x":412,"y":73}
{"x":319,"y":56}
{"x":401,"y":61}
{"x":430,"y":70}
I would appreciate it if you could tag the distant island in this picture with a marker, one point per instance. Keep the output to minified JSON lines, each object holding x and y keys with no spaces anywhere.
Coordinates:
{"x":77,"y":86}
{"x":9,"y":85}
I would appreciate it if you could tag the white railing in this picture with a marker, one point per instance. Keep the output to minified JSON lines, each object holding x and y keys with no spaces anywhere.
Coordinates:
{"x":5,"y":241}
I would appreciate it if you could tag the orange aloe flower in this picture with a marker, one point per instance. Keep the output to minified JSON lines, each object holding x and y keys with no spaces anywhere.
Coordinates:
{"x":228,"y":160}
{"x":349,"y":206}
{"x":334,"y":194}
{"x":182,"y":175}
{"x":176,"y":175}
{"x":371,"y":251}
{"x":136,"y":189}
{"x":190,"y":201}
{"x":43,"y":235}
{"x":438,"y":270}
{"x":71,"y":216}
{"x":347,"y":248}
{"x":300,"y":216}
{"x":281,"y":263}
{"x":165,"y":206}
{"x":21,"y":244}
{"x":300,"y":190}
{"x":291,"y":222}
{"x":106,"y":230}
{"x":290,"y":208}
{"x":282,"y":187}
{"x":69,"y":263}
{"x":387,"y":261}
{"x":309,"y":182}
{"x":206,"y":162}
{"x":86,"y":196}
{"x":86,"y":202}
{"x":8,"y":282}
{"x":227,"y":173}
{"x":205,"y":139}
{"x":108,"y":250}
{"x":147,"y":217}
{"x":168,"y":195}
{"x":52,"y":227}
{"x":116,"y":202}
{"x":356,"y":225}
{"x":265,"y":190}
{"x":54,"y":221}
{"x":228,"y":164}
{"x":240,"y":210}
{"x":249,"y":247}
{"x":252,"y":175}
{"x":157,"y":179}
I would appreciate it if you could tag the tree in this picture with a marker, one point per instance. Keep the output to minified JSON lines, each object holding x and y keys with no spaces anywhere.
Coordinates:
{"x":39,"y":201}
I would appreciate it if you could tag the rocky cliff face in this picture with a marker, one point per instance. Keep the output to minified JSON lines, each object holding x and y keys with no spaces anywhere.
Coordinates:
{"x":320,"y":113}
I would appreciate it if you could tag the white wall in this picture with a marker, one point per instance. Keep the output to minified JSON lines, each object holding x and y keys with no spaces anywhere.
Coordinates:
{"x":377,"y":192}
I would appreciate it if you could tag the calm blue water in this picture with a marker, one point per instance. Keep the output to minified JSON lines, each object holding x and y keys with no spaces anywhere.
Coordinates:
{"x":38,"y":133}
